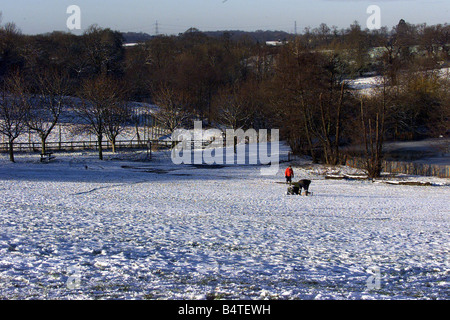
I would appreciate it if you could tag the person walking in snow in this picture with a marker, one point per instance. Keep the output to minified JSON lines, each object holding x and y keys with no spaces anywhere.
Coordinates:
{"x":289,"y":174}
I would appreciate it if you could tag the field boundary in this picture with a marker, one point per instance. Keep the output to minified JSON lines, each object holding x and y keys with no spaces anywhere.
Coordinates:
{"x":84,"y":145}
{"x":413,"y":168}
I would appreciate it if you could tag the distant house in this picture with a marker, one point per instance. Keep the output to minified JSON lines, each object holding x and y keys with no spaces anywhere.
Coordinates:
{"x":130,"y":44}
{"x":276,"y":43}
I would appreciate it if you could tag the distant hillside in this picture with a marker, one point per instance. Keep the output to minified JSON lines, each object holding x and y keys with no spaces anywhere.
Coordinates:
{"x":134,"y":37}
{"x":256,"y":36}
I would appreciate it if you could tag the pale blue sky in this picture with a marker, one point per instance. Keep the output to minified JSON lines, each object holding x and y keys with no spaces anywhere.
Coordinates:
{"x":174,"y":16}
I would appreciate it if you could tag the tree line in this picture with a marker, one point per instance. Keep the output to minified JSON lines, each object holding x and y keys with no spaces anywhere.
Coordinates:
{"x":303,"y":87}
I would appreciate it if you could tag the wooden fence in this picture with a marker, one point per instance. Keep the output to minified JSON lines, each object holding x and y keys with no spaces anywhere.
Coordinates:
{"x":413,"y":168}
{"x":84,"y":145}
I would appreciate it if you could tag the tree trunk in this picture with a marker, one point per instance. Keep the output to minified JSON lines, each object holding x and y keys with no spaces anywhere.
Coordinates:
{"x":60,"y":138}
{"x":308,"y":134}
{"x":338,"y":127}
{"x":113,"y":144}
{"x":11,"y":151}
{"x":325,"y":139}
{"x":373,"y":143}
{"x":100,"y":148}
{"x":137,"y":132}
{"x":43,"y":147}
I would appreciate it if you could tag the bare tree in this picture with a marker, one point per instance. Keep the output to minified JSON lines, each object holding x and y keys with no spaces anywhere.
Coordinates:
{"x":98,"y":97}
{"x":11,"y":44}
{"x":174,"y":108}
{"x":12,"y":110}
{"x":103,"y":49}
{"x":233,"y":109}
{"x":373,"y":115}
{"x":311,"y":98}
{"x":115,"y":117}
{"x":329,"y":129}
{"x":45,"y":109}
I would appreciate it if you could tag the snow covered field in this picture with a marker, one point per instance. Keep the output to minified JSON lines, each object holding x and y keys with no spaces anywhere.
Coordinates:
{"x":367,"y":85}
{"x":80,"y":228}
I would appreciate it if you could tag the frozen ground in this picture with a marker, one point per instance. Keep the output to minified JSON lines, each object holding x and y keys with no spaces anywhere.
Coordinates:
{"x":367,"y":85}
{"x":79,"y":228}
